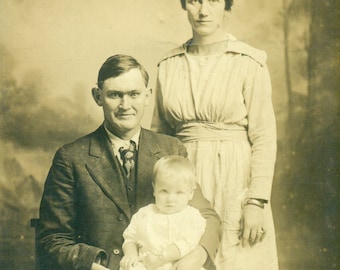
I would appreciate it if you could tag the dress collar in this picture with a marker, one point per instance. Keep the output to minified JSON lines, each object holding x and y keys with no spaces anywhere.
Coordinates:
{"x":234,"y":46}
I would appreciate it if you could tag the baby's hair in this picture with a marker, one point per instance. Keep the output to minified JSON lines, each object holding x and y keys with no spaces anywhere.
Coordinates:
{"x":177,"y":167}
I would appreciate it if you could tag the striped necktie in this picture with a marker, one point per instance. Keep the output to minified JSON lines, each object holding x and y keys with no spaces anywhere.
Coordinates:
{"x":127,"y":156}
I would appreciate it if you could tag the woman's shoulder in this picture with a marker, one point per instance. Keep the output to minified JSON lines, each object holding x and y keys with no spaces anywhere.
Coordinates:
{"x":240,"y":47}
{"x":178,"y":51}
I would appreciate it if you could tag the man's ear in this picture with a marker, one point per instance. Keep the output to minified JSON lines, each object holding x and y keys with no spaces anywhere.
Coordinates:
{"x":96,"y":94}
{"x":148,"y":96}
{"x":153,"y":189}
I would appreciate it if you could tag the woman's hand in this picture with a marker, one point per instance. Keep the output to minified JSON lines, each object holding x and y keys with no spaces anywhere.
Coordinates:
{"x":252,"y":230}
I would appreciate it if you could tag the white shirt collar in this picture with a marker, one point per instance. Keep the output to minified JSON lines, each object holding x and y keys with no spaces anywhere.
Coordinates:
{"x":118,"y":142}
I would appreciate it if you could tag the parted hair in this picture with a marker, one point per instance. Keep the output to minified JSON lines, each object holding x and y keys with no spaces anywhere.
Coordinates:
{"x":228,"y":4}
{"x":118,"y":64}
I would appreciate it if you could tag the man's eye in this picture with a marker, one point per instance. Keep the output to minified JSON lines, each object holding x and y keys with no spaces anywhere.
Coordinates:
{"x":134,"y":94}
{"x":113,"y":95}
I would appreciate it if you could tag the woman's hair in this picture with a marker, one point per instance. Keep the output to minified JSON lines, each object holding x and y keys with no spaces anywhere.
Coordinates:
{"x":228,"y":4}
{"x":177,"y":167}
{"x":118,"y":64}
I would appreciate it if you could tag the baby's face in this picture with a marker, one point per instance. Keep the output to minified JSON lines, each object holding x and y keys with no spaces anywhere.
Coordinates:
{"x":171,"y":195}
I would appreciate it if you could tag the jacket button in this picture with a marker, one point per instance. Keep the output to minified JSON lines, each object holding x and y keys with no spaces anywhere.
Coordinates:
{"x":116,"y":251}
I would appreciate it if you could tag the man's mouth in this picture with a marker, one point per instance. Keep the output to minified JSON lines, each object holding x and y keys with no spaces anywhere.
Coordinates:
{"x":124,"y":115}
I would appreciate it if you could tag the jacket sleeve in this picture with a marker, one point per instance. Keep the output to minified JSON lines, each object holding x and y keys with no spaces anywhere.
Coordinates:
{"x":57,"y":236}
{"x":211,"y":237}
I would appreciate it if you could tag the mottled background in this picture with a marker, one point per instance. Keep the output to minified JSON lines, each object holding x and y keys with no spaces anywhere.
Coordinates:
{"x":50,"y":53}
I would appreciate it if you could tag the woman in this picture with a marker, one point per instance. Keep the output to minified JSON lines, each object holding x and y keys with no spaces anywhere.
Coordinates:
{"x":214,"y":93}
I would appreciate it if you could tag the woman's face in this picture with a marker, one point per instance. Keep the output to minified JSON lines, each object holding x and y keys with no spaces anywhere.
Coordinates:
{"x":205,"y":16}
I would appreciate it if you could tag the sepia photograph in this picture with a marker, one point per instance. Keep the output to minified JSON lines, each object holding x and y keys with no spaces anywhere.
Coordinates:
{"x":169,"y":135}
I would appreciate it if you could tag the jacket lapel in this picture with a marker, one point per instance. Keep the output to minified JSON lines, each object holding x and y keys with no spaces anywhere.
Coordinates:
{"x":105,"y":170}
{"x":148,"y":154}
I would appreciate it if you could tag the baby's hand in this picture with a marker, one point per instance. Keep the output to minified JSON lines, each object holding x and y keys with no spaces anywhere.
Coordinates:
{"x":128,"y":262}
{"x":152,"y":261}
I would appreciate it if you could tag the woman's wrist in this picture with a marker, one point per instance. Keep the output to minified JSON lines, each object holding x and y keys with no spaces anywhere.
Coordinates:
{"x":253,"y":201}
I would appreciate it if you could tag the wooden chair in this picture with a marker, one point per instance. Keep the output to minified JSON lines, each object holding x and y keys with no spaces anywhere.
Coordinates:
{"x":35,"y":225}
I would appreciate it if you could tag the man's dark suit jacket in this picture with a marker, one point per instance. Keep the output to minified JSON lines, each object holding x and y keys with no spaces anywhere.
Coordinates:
{"x":84,"y":209}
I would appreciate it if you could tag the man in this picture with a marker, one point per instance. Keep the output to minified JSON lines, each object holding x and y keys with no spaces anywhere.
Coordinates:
{"x":92,"y":191}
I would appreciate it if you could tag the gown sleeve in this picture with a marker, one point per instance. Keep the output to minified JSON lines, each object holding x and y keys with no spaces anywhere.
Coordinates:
{"x":191,"y":232}
{"x":159,"y":122}
{"x":261,"y":130}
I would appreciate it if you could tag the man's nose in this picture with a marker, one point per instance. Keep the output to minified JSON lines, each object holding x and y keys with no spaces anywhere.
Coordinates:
{"x":125,"y":102}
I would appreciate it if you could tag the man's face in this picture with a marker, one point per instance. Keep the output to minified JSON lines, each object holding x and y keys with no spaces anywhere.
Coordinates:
{"x":123,"y":99}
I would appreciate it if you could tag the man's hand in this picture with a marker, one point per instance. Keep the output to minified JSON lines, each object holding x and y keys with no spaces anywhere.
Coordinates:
{"x":97,"y":266}
{"x":192,"y":261}
{"x":252,"y":226}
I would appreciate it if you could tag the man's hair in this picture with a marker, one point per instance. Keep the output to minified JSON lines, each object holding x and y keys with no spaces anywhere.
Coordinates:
{"x":118,"y":64}
{"x":228,"y":4}
{"x":177,"y":167}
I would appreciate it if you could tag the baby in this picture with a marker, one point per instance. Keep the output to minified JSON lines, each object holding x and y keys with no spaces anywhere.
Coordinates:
{"x":160,"y":234}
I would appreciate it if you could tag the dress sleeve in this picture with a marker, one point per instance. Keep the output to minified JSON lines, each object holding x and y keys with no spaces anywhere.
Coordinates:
{"x":191,"y":232}
{"x":261,"y":130}
{"x":159,"y":122}
{"x":130,"y":233}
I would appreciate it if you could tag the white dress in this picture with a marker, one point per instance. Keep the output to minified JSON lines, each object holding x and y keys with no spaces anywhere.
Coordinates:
{"x":220,"y":106}
{"x":154,"y":231}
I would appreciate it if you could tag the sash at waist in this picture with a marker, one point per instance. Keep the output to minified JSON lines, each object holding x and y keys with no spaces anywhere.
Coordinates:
{"x":205,"y":131}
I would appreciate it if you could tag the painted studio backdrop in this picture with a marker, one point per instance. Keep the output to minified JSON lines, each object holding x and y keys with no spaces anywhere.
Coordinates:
{"x":51,"y":51}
